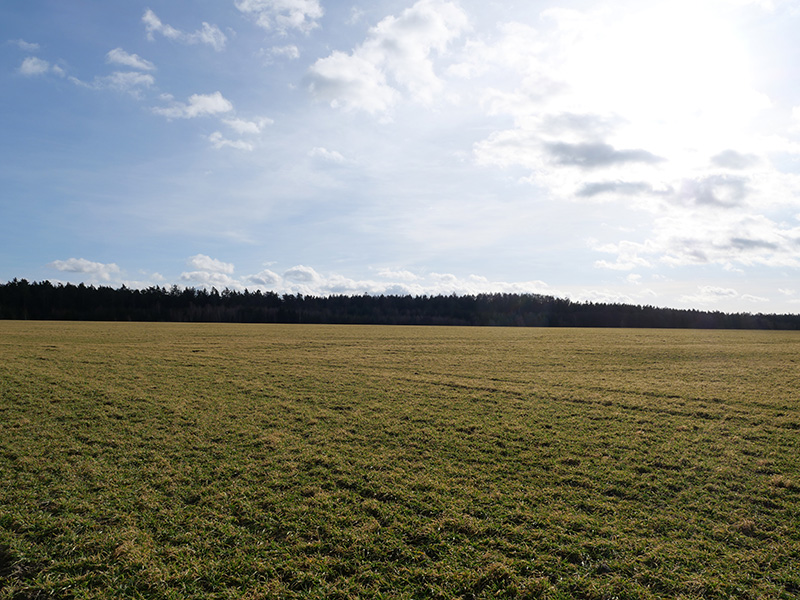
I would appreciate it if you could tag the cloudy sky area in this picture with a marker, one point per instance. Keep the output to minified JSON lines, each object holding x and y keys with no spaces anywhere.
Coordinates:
{"x":642,"y":152}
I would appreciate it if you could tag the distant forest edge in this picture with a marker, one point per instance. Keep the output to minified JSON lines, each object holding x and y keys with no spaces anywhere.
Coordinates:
{"x":20,"y":299}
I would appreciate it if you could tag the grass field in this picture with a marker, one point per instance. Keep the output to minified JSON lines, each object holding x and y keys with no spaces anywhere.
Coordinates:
{"x":250,"y":461}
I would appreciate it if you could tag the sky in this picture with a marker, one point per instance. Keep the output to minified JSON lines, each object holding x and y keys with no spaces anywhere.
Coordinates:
{"x":621,"y":151}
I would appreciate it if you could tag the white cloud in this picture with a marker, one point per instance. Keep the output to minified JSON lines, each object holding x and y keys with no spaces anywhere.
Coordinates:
{"x":121,"y":81}
{"x":120,"y":57}
{"x":26,"y":46}
{"x":605,"y":91}
{"x":219,"y":141}
{"x":356,"y":14}
{"x":663,"y":130}
{"x":210,"y":279}
{"x":101,"y":271}
{"x":283,"y":15}
{"x":210,"y":272}
{"x":306,"y":280}
{"x":291,"y":52}
{"x":398,"y":49}
{"x":265,"y":278}
{"x":199,"y":105}
{"x":401,"y":274}
{"x":202,"y":262}
{"x":128,"y":80}
{"x":207,"y":34}
{"x":33,"y":65}
{"x":710,"y":294}
{"x":242,"y":126}
{"x":628,"y":256}
{"x":700,"y":237}
{"x":302,"y":274}
{"x":755,"y":299}
{"x":351,"y":82}
{"x":327,"y":155}
{"x":154,"y":25}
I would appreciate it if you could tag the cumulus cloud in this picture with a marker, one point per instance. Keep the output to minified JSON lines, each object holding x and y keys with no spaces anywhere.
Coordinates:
{"x":401,"y":275}
{"x":302,"y":274}
{"x":209,"y":272}
{"x":265,"y":278}
{"x":209,"y":279}
{"x":351,"y":82}
{"x":102,"y":271}
{"x":134,"y":61}
{"x":306,"y":280}
{"x":33,"y":66}
{"x":199,"y":105}
{"x":303,"y":279}
{"x":203,"y":262}
{"x":207,"y":34}
{"x":397,"y":55}
{"x":283,"y":15}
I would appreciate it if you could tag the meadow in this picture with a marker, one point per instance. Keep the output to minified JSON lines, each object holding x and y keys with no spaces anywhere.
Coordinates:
{"x":290,"y":461}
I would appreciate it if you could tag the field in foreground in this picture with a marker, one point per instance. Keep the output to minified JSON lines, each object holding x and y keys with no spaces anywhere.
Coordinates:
{"x":225,"y":461}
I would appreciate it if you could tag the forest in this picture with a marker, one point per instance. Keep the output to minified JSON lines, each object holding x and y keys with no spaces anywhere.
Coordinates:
{"x":20,"y":299}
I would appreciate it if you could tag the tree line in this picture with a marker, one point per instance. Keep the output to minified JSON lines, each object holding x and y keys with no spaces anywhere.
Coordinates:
{"x":20,"y":299}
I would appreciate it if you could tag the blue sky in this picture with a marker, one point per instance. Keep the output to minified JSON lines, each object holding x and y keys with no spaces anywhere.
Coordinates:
{"x":642,"y":152}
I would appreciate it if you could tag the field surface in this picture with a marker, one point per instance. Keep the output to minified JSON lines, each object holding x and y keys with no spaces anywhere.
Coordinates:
{"x":261,"y":461}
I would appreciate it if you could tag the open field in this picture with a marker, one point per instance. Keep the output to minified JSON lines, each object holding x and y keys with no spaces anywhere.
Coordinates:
{"x":227,"y":461}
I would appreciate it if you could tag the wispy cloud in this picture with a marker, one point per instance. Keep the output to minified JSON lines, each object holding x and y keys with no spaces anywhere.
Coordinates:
{"x":220,"y":141}
{"x":331,"y":156}
{"x":134,"y":61}
{"x":243,"y":126}
{"x":283,"y":15}
{"x":710,"y":294}
{"x":130,"y":82}
{"x":26,"y":46}
{"x":207,"y":34}
{"x":290,"y":52}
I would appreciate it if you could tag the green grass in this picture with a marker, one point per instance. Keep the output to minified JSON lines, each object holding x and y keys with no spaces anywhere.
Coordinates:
{"x":226,"y":461}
